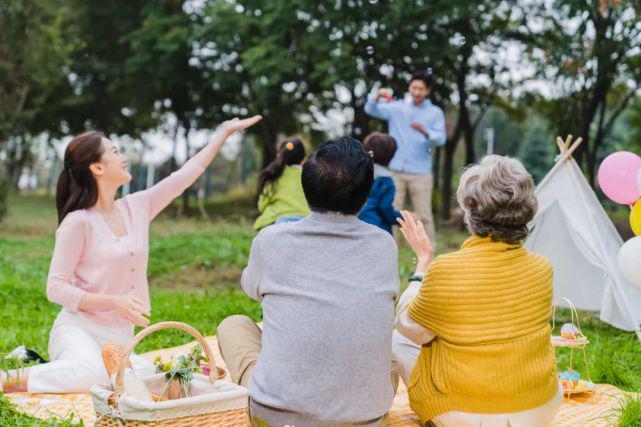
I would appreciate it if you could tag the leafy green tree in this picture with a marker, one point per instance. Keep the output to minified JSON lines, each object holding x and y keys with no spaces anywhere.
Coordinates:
{"x":33,"y":55}
{"x":162,"y":52}
{"x":589,"y":52}
{"x":457,"y":32}
{"x":384,"y":42}
{"x":536,"y":150}
{"x":630,"y":129}
{"x":32,"y":59}
{"x":108,"y":95}
{"x":508,"y":132}
{"x":256,"y":58}
{"x":370,"y":43}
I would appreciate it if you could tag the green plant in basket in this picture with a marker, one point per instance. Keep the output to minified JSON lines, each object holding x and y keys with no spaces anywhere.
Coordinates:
{"x":181,"y":368}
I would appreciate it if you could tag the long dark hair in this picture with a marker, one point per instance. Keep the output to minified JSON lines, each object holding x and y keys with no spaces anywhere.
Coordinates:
{"x":77,"y":188}
{"x":290,"y":152}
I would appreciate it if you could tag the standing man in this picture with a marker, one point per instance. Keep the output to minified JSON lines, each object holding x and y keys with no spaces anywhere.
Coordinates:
{"x":417,"y":125}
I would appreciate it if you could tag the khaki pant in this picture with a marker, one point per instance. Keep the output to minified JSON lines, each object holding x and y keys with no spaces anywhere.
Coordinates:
{"x":239,"y":341}
{"x":419,"y":188}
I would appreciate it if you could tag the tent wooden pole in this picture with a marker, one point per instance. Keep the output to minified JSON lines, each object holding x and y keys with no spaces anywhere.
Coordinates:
{"x":574,"y":146}
{"x":565,"y":155}
{"x":559,"y":161}
{"x":568,"y":139}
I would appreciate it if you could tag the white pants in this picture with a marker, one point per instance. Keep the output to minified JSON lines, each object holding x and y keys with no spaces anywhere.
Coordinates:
{"x":406,"y":353}
{"x":75,"y":349}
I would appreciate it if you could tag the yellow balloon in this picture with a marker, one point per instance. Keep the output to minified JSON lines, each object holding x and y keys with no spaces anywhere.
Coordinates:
{"x":635,"y":218}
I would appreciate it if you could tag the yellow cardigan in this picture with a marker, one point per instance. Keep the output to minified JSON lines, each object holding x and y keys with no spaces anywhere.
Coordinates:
{"x":488,"y":305}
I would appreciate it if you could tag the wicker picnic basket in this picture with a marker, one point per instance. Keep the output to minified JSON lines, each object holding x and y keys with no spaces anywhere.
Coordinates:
{"x":212,"y":401}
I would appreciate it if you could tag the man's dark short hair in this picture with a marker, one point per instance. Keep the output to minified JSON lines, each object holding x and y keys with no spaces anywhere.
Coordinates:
{"x":424,"y":76}
{"x":338,"y":177}
{"x":382,"y":145}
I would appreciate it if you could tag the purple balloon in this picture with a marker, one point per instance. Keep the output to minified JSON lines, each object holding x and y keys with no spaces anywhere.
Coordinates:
{"x":618,"y":177}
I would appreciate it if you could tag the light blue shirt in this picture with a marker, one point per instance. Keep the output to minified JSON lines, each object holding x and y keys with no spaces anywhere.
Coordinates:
{"x":414,"y":152}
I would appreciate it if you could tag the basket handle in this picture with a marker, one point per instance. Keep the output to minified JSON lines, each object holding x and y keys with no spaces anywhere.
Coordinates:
{"x":211,"y":360}
{"x":574,"y":313}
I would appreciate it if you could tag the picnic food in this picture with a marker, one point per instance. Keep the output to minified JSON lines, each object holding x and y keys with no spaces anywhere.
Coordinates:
{"x":569,"y":379}
{"x":570,"y":331}
{"x":134,"y":386}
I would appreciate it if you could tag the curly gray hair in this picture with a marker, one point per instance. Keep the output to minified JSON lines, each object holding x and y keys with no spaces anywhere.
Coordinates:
{"x":497,"y":197}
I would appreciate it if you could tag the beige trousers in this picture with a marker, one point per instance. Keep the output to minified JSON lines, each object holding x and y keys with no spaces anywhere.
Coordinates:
{"x":239,"y":341}
{"x":419,"y":188}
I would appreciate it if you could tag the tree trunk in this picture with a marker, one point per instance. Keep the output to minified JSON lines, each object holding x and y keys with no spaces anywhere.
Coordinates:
{"x":17,"y":159}
{"x":463,"y":124}
{"x":50,"y":181}
{"x":360,"y":127}
{"x":187,"y":193}
{"x":588,"y":113}
{"x":436,"y":174}
{"x":201,"y":199}
{"x":142,"y":172}
{"x":174,"y":149}
{"x":448,"y":169}
{"x":468,"y":136}
{"x":591,"y":153}
{"x":470,"y":154}
{"x":268,"y":137}
{"x":580,"y":153}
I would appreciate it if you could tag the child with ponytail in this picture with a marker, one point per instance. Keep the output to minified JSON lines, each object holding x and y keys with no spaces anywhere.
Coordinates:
{"x":280,"y":192}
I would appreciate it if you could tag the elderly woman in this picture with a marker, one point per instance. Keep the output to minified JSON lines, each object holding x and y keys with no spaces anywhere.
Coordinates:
{"x":481,"y":315}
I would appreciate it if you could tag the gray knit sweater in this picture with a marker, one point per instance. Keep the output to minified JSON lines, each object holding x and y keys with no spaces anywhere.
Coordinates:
{"x":327,"y":285}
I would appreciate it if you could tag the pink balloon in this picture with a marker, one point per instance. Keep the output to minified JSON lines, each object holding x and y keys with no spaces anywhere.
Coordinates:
{"x":618,"y":175}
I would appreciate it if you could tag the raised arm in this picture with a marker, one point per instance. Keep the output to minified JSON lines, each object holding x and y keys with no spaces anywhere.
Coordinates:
{"x":380,"y":110}
{"x":161,"y":194}
{"x":414,"y":233}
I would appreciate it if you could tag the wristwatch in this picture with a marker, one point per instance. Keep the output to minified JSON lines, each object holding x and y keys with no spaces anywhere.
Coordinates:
{"x":416,"y":278}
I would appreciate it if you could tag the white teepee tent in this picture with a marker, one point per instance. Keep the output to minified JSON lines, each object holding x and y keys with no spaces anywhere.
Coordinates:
{"x":573,"y":231}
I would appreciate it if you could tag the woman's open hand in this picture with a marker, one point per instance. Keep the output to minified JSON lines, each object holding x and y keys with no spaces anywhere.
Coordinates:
{"x":415,"y":235}
{"x":236,"y":124}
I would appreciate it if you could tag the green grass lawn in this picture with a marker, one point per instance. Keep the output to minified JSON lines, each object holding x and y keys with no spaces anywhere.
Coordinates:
{"x":194,"y":270}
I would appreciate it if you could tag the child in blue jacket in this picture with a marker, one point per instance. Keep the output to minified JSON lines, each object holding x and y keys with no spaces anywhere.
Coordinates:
{"x":379,"y":210}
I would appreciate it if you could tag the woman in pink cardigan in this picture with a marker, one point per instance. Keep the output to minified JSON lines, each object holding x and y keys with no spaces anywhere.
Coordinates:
{"x":98,"y":271}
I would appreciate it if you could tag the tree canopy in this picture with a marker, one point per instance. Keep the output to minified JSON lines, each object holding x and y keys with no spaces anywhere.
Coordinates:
{"x":125,"y":68}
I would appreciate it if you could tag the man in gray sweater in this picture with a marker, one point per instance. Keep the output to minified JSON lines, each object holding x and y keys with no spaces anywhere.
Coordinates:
{"x":327,"y":285}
